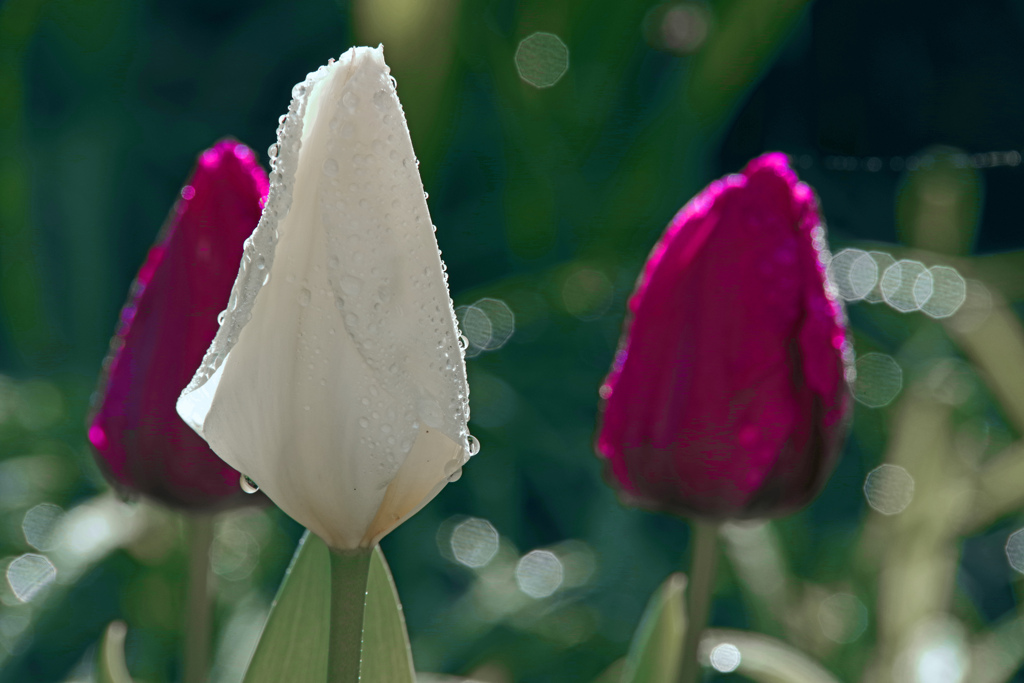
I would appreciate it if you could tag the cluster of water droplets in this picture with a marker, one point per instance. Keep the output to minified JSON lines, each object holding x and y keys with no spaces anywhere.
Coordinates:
{"x":258,"y":250}
{"x":380,"y":266}
{"x":373,"y":217}
{"x":819,"y":243}
{"x":375,"y":221}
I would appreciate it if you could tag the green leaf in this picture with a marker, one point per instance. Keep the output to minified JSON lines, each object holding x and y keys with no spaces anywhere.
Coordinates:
{"x":386,"y":652}
{"x":111,"y":667}
{"x":655,"y":654}
{"x":293,"y":645}
{"x":656,"y":651}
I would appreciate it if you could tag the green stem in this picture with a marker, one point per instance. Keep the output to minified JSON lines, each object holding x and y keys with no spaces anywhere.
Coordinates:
{"x":350,"y":570}
{"x":199,"y":607}
{"x":704,"y":542}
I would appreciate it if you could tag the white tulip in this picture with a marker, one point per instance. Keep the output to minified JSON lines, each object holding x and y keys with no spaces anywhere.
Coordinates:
{"x":337,"y":380}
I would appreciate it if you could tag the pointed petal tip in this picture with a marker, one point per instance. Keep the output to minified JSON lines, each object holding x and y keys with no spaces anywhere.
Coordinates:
{"x":777,"y":162}
{"x":229,"y":161}
{"x":656,"y":467}
{"x":164,"y":328}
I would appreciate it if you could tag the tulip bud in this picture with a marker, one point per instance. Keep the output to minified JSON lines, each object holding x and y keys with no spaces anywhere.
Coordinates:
{"x":165,"y":328}
{"x":337,"y":381}
{"x":728,"y":397}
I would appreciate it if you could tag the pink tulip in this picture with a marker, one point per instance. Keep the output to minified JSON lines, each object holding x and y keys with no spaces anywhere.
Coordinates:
{"x":164,"y":330}
{"x":728,"y":397}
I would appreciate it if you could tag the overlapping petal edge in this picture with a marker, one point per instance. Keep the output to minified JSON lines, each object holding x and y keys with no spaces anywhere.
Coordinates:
{"x":336,"y":380}
{"x":141,"y":444}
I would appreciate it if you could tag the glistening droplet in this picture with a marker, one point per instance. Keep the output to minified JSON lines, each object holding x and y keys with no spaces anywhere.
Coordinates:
{"x":451,"y":466}
{"x":247,"y":484}
{"x":351,"y":285}
{"x":474,"y":445}
{"x":350,"y":100}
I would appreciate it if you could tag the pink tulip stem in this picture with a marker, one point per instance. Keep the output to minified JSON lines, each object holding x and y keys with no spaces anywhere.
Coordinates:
{"x":199,"y":607}
{"x":703,"y":558}
{"x":349,"y":573}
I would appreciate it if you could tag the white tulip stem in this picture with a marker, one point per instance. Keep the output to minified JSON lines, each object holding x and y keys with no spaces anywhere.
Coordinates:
{"x":350,"y":570}
{"x":199,"y":606}
{"x":703,"y":558}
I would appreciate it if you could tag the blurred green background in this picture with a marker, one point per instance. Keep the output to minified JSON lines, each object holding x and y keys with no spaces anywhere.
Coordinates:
{"x":905,"y":116}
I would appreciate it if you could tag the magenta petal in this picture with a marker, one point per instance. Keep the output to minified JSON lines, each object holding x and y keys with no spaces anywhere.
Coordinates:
{"x":728,"y":397}
{"x":164,"y":330}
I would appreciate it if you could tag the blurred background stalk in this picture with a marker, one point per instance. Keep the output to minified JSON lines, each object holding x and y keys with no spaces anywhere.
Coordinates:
{"x":25,"y":317}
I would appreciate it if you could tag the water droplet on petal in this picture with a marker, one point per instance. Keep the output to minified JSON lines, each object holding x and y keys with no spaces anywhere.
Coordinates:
{"x":451,"y":466}
{"x":351,"y":285}
{"x":330,"y":166}
{"x":350,"y":100}
{"x":463,"y":342}
{"x":221,"y":316}
{"x":305,"y":296}
{"x":474,"y":445}
{"x":247,"y":484}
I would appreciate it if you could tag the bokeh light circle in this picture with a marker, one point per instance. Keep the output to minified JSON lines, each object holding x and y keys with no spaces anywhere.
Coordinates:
{"x":474,"y":542}
{"x":542,"y":59}
{"x":725,"y":658}
{"x":842,"y":617}
{"x":889,"y":489}
{"x":1015,"y":550}
{"x":949,"y":291}
{"x":879,"y":380}
{"x":28,"y":574}
{"x":539,"y":573}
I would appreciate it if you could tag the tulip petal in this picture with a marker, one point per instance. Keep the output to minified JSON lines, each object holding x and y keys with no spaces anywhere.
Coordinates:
{"x":166,"y":325}
{"x":433,"y":459}
{"x":727,"y":396}
{"x":339,"y":347}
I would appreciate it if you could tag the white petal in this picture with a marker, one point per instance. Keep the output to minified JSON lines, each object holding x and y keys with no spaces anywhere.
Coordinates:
{"x":337,"y":383}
